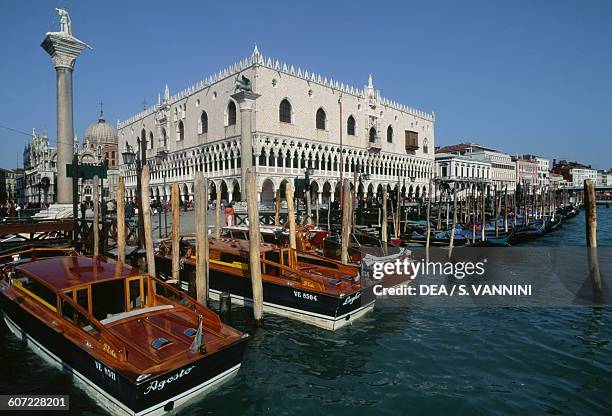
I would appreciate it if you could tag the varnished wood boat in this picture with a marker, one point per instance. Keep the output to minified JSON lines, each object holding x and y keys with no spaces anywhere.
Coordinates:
{"x":136,"y":344}
{"x":296,"y":284}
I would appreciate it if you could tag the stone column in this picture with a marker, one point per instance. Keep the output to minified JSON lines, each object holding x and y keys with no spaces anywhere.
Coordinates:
{"x":63,"y":49}
{"x":245,"y":100}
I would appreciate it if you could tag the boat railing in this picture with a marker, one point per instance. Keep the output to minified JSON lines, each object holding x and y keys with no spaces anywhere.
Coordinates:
{"x":31,"y":253}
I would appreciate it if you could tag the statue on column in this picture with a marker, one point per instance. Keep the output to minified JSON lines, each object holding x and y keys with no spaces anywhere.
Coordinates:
{"x":65,"y":22}
{"x":243,"y":84}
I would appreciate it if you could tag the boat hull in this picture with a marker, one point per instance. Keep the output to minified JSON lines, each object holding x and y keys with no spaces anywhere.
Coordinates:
{"x":155,"y":396}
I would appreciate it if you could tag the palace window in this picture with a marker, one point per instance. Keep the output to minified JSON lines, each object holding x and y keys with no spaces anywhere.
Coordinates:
{"x":151,"y":140}
{"x":164,"y":138}
{"x":321,"y":119}
{"x":284,"y":111}
{"x":231,"y":114}
{"x":350,"y":126}
{"x":412,"y":140}
{"x":389,"y":134}
{"x":372,"y":135}
{"x":180,"y":131}
{"x":425,"y":146}
{"x":203,"y":125}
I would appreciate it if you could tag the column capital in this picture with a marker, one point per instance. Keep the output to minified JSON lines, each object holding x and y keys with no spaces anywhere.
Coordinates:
{"x":63,"y":49}
{"x":245,"y":99}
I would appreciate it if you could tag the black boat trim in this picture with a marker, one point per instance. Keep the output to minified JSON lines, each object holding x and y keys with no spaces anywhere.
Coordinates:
{"x":332,"y":319}
{"x":90,"y":384}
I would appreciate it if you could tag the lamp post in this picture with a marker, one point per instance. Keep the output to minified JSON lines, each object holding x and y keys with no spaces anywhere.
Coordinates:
{"x":365,"y":177}
{"x":160,"y":157}
{"x":129,"y":158}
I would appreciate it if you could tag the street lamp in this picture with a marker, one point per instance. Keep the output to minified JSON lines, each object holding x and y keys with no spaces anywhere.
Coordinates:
{"x":129,"y":158}
{"x":160,"y":157}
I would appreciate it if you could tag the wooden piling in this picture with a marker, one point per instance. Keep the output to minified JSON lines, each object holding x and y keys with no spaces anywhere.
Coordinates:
{"x":346,"y":222}
{"x":201,"y":218}
{"x":146,"y":215}
{"x":121,"y":220}
{"x":428,"y":219}
{"x":591,"y":239}
{"x":277,"y":204}
{"x":452,"y":237}
{"x":399,"y":207}
{"x":317,"y":211}
{"x":506,"y":208}
{"x":484,"y":213}
{"x":591,"y":213}
{"x":497,"y":210}
{"x":255,"y":244}
{"x":308,"y":208}
{"x":290,"y":214}
{"x":383,"y":226}
{"x":176,"y":232}
{"x":474,"y":212}
{"x":439,"y":199}
{"x":218,"y":212}
{"x":96,"y":217}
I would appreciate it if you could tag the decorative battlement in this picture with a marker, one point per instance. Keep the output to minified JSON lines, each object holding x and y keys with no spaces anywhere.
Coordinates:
{"x":256,"y":58}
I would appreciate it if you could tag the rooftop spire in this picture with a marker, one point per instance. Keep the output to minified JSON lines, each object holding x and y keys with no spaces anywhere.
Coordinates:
{"x":166,"y":94}
{"x":255,"y":51}
{"x":101,"y":118}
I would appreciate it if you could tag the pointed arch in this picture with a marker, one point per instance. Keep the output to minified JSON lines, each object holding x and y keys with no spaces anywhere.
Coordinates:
{"x":284,"y":111}
{"x":350,"y":126}
{"x":321,"y":119}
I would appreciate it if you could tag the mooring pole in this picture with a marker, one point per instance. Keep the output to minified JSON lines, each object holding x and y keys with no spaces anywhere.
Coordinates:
{"x":176,"y":232}
{"x":277,"y":203}
{"x":506,"y":208}
{"x":383,"y":227}
{"x":121,"y":220}
{"x":290,"y":215}
{"x":201,"y":215}
{"x":452,"y":237}
{"x":254,"y":247}
{"x":591,"y":239}
{"x":218,"y":211}
{"x":96,"y":217}
{"x":146,"y":212}
{"x":346,"y":222}
{"x":427,"y":240}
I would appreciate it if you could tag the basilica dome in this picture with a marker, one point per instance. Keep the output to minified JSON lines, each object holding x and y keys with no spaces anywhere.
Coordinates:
{"x":101,"y":133}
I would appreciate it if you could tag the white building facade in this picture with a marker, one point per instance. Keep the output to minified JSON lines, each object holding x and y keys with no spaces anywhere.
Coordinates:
{"x":298,"y":120}
{"x":463,"y":172}
{"x":604,"y":178}
{"x":580,"y":174}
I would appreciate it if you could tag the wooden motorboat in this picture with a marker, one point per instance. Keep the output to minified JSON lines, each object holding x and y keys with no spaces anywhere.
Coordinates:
{"x":136,"y":344}
{"x":296,"y":284}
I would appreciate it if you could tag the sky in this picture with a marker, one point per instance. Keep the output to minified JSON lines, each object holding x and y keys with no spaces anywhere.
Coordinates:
{"x":520,"y":76}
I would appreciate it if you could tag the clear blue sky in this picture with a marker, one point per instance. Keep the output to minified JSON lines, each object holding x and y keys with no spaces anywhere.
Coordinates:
{"x":521,"y":76}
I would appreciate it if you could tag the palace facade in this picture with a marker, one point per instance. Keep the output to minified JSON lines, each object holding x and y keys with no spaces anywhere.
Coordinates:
{"x":289,"y":120}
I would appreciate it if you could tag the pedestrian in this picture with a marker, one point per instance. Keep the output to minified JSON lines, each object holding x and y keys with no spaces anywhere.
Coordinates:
{"x":229,"y":214}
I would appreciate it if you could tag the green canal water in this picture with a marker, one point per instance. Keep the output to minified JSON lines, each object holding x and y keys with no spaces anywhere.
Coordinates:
{"x":401,"y":361}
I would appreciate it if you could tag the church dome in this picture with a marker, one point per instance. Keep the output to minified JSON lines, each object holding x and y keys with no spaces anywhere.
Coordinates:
{"x":101,"y":133}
